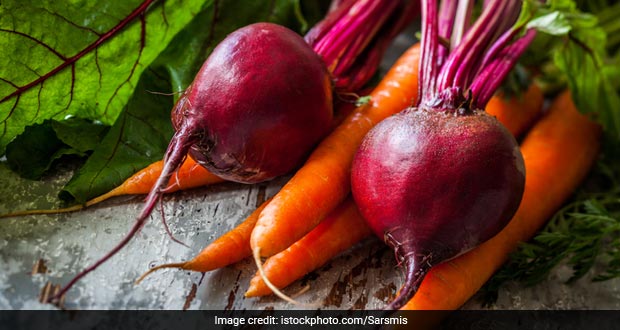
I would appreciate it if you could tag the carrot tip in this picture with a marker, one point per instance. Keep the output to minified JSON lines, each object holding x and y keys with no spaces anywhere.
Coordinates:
{"x":301,"y":291}
{"x":112,"y":193}
{"x":156,"y":268}
{"x":36,"y":212}
{"x":274,"y":289}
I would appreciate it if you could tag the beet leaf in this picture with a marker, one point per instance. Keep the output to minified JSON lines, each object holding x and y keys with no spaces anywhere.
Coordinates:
{"x":80,"y":58}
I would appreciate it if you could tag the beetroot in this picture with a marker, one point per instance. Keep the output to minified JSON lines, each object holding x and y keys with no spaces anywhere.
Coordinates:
{"x":440,"y":178}
{"x":261,"y":94}
{"x":435,"y":184}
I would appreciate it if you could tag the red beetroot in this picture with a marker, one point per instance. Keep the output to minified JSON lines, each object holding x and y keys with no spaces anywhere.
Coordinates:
{"x":261,"y":94}
{"x":256,"y":107}
{"x":438,"y":179}
{"x":435,"y":184}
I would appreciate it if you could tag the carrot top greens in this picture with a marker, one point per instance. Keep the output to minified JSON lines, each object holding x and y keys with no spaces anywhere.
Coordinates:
{"x":577,"y":45}
{"x":584,"y":233}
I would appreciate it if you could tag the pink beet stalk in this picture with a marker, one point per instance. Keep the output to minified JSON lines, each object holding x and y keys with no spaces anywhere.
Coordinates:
{"x":352,"y":39}
{"x":438,"y":179}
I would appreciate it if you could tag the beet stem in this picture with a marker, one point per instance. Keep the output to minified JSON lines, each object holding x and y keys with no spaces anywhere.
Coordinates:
{"x":491,"y":78}
{"x":318,"y":31}
{"x":363,"y":69}
{"x":346,"y":35}
{"x":460,"y":62}
{"x":428,"y":66}
{"x":447,"y":15}
{"x":485,"y":28}
{"x":475,"y":65}
{"x":501,"y":43}
{"x":349,"y":33}
{"x":462,"y":22}
{"x":175,"y":154}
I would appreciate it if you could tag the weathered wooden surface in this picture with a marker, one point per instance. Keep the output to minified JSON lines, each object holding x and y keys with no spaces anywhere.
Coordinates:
{"x":60,"y":245}
{"x":36,"y":250}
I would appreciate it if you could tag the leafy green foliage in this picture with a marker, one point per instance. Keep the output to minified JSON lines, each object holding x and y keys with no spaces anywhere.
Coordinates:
{"x":578,"y":50}
{"x":587,"y":77}
{"x":80,"y":58}
{"x":79,"y":134}
{"x":135,"y":140}
{"x":34,"y":151}
{"x":585,"y":234}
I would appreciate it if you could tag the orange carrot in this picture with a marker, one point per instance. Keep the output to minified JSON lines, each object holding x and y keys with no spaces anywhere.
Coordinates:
{"x":342,"y":228}
{"x":189,"y":175}
{"x":230,"y":248}
{"x":324,"y":180}
{"x":558,"y":151}
{"x":517,"y":113}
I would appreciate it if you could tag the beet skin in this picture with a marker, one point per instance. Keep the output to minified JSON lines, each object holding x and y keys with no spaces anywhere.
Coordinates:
{"x":434,"y":184}
{"x":259,"y":104}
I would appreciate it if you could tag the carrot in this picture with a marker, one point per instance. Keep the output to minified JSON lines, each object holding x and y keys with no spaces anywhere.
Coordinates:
{"x":190,"y":175}
{"x":558,"y":151}
{"x":517,"y":113}
{"x":230,"y":248}
{"x":342,"y":228}
{"x":345,"y":226}
{"x":323,"y":182}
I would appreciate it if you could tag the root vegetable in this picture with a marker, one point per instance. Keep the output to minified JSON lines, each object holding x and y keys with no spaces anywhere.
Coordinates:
{"x":440,"y":178}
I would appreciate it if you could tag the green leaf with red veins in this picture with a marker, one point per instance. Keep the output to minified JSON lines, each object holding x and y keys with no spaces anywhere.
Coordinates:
{"x":81,"y":58}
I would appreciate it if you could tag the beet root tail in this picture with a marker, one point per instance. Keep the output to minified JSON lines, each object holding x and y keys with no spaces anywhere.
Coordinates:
{"x":173,"y":158}
{"x":414,"y":274}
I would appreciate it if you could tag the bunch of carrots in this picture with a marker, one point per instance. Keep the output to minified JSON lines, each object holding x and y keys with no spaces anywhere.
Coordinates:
{"x":327,"y":222}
